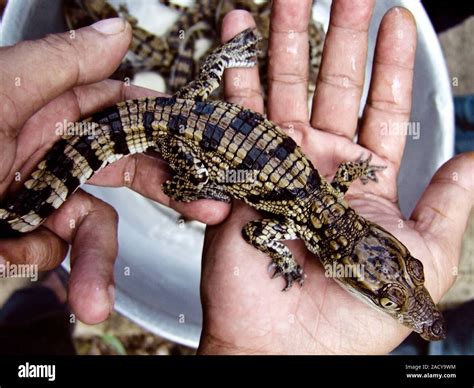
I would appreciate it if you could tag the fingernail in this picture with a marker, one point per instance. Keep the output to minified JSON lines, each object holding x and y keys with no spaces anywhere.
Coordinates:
{"x":111,"y":291}
{"x":109,"y":26}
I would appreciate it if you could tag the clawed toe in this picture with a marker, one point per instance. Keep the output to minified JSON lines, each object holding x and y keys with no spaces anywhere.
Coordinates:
{"x":370,"y":173}
{"x":295,"y":275}
{"x":271,"y":267}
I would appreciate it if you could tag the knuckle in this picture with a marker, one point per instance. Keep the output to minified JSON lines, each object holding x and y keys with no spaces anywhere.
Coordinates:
{"x":339,"y":81}
{"x":388,"y":106}
{"x":65,"y":51}
{"x":112,"y":214}
{"x":289,"y":78}
{"x":57,"y":44}
{"x":40,"y":251}
{"x":103,"y":209}
{"x":246,"y":93}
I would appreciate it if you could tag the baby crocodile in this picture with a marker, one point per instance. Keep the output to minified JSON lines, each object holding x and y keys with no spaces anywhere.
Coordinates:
{"x":209,"y":144}
{"x":176,"y":55}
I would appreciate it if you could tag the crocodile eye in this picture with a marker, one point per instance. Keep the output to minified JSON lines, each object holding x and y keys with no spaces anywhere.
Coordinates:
{"x":415,"y":270}
{"x":393,"y":297}
{"x":388,"y":304}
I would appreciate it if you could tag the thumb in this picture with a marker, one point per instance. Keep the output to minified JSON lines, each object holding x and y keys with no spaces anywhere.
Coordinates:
{"x":443,"y":211}
{"x":32,"y":73}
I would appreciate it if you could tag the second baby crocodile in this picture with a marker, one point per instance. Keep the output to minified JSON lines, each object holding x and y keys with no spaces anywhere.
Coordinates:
{"x":203,"y":141}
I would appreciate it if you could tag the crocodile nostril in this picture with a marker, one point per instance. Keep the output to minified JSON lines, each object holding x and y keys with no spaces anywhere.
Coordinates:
{"x":438,"y":329}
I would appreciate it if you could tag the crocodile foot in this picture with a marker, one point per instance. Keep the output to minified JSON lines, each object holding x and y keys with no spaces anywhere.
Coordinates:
{"x":291,"y":275}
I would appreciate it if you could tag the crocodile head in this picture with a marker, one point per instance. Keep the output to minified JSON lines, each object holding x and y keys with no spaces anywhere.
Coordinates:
{"x":392,"y":280}
{"x":244,"y":40}
{"x":241,"y":50}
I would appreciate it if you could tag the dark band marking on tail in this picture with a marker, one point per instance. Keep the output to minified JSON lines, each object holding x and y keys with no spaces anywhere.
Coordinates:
{"x":83,"y":147}
{"x":61,"y":166}
{"x":27,"y":200}
{"x":148,"y":118}
{"x":6,"y":230}
{"x":111,"y":117}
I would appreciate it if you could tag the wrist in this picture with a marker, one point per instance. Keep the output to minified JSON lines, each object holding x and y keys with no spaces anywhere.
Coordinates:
{"x":210,"y":345}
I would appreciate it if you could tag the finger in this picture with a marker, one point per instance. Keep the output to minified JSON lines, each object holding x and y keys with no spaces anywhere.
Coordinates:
{"x":289,"y":61}
{"x":141,"y":173}
{"x":45,"y":127}
{"x":145,"y":175}
{"x":40,"y":132}
{"x":241,"y":85}
{"x":442,"y":213}
{"x":93,"y":254}
{"x":341,"y":78}
{"x":90,"y":225}
{"x":388,"y":108}
{"x":136,"y":170}
{"x":41,"y":248}
{"x":97,"y":96}
{"x":35,"y":72}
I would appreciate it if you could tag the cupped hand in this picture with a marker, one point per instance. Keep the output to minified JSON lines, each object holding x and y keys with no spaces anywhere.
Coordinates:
{"x":244,"y":310}
{"x":43,"y":83}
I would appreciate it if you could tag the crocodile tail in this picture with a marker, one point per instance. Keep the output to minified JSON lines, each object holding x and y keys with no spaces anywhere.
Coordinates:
{"x":85,"y":148}
{"x":64,"y":168}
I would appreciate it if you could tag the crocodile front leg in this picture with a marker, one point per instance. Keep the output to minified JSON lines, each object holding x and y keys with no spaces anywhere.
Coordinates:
{"x":348,"y":172}
{"x":183,"y":190}
{"x":191,"y":180}
{"x":265,"y":235}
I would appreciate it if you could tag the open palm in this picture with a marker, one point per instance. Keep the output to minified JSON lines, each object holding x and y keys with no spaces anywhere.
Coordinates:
{"x":244,"y":310}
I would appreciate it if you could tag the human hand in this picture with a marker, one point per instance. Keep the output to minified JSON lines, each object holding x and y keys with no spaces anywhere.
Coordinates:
{"x":244,"y":310}
{"x":44,"y":82}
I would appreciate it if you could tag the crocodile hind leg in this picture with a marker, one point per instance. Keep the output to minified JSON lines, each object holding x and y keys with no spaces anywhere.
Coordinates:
{"x":348,"y":172}
{"x":191,"y":179}
{"x":265,"y":235}
{"x":240,"y":51}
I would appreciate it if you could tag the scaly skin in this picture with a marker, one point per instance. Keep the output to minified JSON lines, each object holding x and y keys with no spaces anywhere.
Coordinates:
{"x":207,"y":144}
{"x":148,"y":51}
{"x":173,"y":55}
